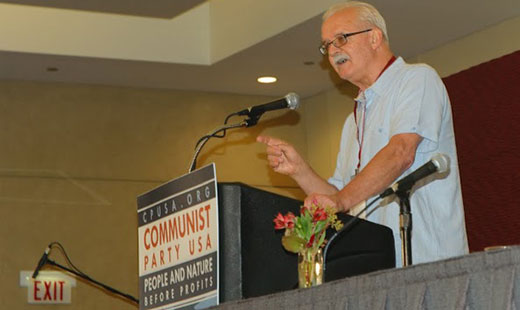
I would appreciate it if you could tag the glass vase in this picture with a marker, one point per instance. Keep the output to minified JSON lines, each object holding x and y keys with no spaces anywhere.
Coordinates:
{"x":310,"y":268}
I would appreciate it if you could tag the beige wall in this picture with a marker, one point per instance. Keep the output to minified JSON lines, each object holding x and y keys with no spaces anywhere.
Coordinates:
{"x":482,"y":46}
{"x":324,"y":117}
{"x":75,"y":157}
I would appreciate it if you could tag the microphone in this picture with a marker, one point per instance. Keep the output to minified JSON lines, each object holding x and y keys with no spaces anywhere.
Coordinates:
{"x":439,"y":163}
{"x":43,"y":261}
{"x":291,"y":101}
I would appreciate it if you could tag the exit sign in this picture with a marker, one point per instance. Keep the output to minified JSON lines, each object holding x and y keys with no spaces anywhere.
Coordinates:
{"x":49,"y":287}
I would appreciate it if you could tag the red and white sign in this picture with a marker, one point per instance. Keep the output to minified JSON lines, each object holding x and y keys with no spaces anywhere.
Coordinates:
{"x":49,"y":287}
{"x":178,"y":243}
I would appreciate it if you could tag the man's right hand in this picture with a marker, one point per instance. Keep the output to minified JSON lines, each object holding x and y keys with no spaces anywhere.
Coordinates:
{"x":282,"y":156}
{"x":284,"y":159}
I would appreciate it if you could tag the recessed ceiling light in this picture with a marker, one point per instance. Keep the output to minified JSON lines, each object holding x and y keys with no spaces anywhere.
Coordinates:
{"x":266,"y":79}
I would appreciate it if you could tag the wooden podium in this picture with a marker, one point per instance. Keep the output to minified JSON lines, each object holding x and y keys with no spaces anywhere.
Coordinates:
{"x":253,"y":261}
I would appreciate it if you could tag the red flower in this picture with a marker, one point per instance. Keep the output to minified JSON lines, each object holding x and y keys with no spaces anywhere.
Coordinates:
{"x":311,"y":241}
{"x":289,"y":220}
{"x":279,"y":222}
{"x":319,"y":215}
{"x":284,"y":221}
{"x":305,"y":209}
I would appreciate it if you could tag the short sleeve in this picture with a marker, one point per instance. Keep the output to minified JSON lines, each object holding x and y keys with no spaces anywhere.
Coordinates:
{"x":419,"y":107}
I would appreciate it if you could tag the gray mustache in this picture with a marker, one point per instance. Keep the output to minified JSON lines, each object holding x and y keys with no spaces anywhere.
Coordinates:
{"x":340,"y":58}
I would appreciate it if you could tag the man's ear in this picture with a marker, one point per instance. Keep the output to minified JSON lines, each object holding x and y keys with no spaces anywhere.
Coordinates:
{"x":376,"y":38}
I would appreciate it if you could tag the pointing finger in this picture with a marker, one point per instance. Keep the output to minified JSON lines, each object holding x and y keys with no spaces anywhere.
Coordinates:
{"x":269,"y":140}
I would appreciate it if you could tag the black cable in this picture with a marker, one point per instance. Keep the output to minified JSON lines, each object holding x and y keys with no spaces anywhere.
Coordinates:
{"x":251,"y":121}
{"x":75,"y":270}
{"x":215,"y":134}
{"x":205,"y":139}
{"x":62,"y":249}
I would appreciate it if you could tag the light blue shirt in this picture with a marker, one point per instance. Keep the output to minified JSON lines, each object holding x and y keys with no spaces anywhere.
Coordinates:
{"x":410,"y":99}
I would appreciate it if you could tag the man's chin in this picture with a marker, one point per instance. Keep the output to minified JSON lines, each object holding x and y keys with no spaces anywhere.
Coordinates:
{"x":343,"y":73}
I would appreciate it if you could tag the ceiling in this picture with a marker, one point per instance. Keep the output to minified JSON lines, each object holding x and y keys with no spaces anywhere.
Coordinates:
{"x":210,"y":45}
{"x":155,"y":8}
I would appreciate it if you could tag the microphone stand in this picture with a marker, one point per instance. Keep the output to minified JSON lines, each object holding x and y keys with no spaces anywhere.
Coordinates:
{"x":89,"y":279}
{"x":405,"y":226}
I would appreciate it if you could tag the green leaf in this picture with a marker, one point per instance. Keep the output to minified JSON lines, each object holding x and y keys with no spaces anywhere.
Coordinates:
{"x":322,"y":238}
{"x":293,"y":243}
{"x":320,"y":226}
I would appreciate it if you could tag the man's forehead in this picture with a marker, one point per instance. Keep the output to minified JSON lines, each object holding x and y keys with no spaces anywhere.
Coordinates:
{"x":344,"y":17}
{"x":346,"y":14}
{"x":340,"y":22}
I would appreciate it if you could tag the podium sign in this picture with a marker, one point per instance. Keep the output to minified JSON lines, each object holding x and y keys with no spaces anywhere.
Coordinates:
{"x":178,"y":243}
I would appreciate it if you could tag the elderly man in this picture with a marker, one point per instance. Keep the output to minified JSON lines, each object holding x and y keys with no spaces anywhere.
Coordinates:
{"x":402,"y":117}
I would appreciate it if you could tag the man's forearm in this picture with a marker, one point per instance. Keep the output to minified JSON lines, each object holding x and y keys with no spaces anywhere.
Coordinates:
{"x":386,"y":166}
{"x":310,"y":182}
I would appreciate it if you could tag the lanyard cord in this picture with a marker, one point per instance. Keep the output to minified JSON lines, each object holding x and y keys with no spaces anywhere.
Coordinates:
{"x":361,"y":133}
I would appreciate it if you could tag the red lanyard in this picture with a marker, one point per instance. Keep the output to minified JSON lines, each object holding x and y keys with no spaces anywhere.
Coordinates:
{"x":361,"y":136}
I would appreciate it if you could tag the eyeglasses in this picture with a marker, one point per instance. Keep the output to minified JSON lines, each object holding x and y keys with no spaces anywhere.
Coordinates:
{"x":339,"y":41}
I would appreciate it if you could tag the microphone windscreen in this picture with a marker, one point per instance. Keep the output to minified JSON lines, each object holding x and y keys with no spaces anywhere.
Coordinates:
{"x":293,"y":100}
{"x":442,"y":162}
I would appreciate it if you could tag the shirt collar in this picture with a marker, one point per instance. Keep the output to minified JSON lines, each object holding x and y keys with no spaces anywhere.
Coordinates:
{"x":386,"y":77}
{"x":382,"y":82}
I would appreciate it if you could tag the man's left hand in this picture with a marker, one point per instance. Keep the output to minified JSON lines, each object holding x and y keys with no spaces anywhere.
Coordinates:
{"x":323,"y":200}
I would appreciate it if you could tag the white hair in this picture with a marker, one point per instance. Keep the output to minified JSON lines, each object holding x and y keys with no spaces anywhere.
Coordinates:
{"x":366,"y":13}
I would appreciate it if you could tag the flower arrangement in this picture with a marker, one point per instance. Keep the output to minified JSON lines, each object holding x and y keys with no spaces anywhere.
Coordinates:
{"x":307,"y":231}
{"x":305,"y":235}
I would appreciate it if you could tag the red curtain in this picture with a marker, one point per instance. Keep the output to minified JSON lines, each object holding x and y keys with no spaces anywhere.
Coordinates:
{"x":486,"y":113}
